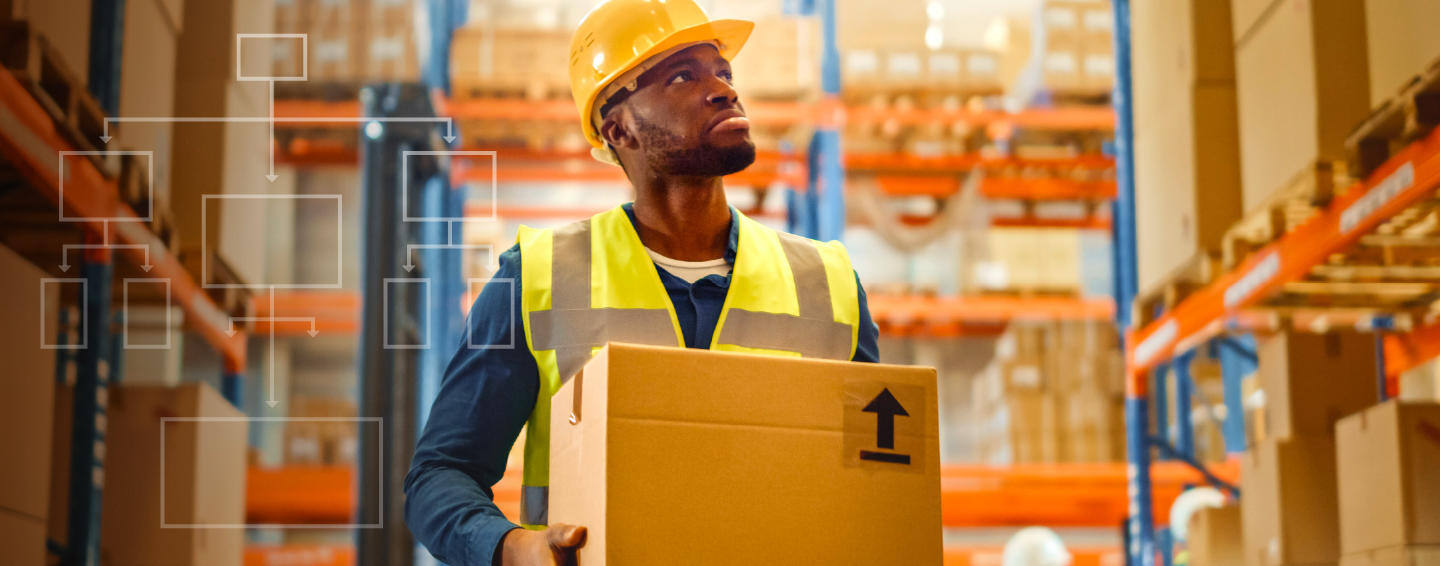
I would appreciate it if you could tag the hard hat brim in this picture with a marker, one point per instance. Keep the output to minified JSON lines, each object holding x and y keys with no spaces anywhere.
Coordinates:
{"x":730,"y":35}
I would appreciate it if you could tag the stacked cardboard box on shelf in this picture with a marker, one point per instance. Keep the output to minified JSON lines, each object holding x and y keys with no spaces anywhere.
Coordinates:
{"x":1215,"y":537}
{"x":321,"y":441}
{"x":1401,"y":43}
{"x":1051,"y":394}
{"x":1187,"y":168}
{"x":349,"y":41}
{"x":1302,"y":84}
{"x":26,"y":400}
{"x":1310,"y":381}
{"x":152,"y":433}
{"x":1032,"y":260}
{"x":1071,"y":50}
{"x":1389,"y":483}
{"x":781,"y":59}
{"x":491,"y":60}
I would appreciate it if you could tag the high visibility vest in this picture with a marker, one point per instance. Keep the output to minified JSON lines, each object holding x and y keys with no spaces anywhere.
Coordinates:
{"x":592,"y":282}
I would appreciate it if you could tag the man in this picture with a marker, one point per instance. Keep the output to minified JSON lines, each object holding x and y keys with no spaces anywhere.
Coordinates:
{"x":678,"y":267}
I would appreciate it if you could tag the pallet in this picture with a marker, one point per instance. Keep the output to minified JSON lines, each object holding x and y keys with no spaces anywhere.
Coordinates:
{"x":1176,"y":286}
{"x":38,"y":66}
{"x":1409,"y":115}
{"x":1306,"y":194}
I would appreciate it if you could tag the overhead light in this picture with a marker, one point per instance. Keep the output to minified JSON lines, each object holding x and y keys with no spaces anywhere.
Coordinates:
{"x":935,"y":10}
{"x":933,"y":36}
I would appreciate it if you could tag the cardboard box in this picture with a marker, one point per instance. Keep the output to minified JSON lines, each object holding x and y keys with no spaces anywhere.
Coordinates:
{"x":1389,"y":476}
{"x":1303,"y":84}
{"x":1246,"y":14}
{"x":27,"y":388}
{"x":64,"y":23}
{"x":1187,"y":172}
{"x":147,"y":85}
{"x":1215,"y":537}
{"x":1290,"y":508}
{"x":22,"y":540}
{"x":203,"y":466}
{"x":1312,"y":380}
{"x":1402,"y":43}
{"x":1395,"y":556}
{"x":650,"y":448}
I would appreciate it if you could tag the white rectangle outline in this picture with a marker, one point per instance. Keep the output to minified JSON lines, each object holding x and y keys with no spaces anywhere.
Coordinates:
{"x":469,"y":336}
{"x":84,"y":314}
{"x":125,"y":310}
{"x":304,"y":57}
{"x":149,"y":213}
{"x":380,"y":456}
{"x":385,"y":313}
{"x":405,"y":186}
{"x":339,"y":242}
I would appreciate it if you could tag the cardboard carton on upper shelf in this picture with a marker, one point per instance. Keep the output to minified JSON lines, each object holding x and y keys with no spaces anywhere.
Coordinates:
{"x":1389,"y":476}
{"x":1289,"y":508}
{"x":1312,"y":380}
{"x":1187,"y":170}
{"x":672,"y":455}
{"x":27,"y":388}
{"x":1302,"y":83}
{"x":1215,"y":537}
{"x":1402,"y":43}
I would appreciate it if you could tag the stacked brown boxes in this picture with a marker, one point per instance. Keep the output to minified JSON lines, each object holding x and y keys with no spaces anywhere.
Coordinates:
{"x":64,"y":23}
{"x":388,"y":38}
{"x":1389,"y":482}
{"x":335,"y":40}
{"x":1187,"y":166}
{"x":1302,"y":83}
{"x":147,"y":88}
{"x":214,"y":158}
{"x":329,"y":439}
{"x":781,"y":59}
{"x":195,"y":441}
{"x":1033,"y":259}
{"x":1079,"y":55}
{"x":1402,"y":42}
{"x":1310,"y":381}
{"x":532,"y":62}
{"x":1214,"y":537}
{"x":26,"y":400}
{"x":1052,"y":394}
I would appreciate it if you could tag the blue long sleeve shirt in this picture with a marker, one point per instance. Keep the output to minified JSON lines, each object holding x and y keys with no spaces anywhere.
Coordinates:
{"x":486,"y":396}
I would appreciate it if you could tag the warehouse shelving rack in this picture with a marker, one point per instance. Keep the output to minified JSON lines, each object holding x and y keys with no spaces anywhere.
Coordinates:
{"x":31,"y":144}
{"x":1215,"y":317}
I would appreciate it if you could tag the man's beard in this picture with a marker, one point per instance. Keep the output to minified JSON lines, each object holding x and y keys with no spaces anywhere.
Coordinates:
{"x":670,"y":158}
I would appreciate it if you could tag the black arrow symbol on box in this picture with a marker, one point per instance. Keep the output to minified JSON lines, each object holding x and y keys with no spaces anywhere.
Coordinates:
{"x":885,"y":408}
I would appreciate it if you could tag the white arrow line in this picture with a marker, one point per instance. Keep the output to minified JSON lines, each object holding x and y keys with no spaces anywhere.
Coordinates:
{"x":65,"y":253}
{"x":271,"y":176}
{"x":410,"y":249}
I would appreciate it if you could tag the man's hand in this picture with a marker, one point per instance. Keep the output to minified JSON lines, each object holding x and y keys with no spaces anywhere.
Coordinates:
{"x":555,"y":546}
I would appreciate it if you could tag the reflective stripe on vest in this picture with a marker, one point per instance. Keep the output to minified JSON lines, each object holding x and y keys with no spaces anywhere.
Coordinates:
{"x":593,"y":282}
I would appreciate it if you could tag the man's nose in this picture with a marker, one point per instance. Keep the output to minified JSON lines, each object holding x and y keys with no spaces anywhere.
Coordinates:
{"x":723,"y":94}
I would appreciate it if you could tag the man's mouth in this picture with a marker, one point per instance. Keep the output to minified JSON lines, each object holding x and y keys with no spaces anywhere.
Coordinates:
{"x":730,"y":120}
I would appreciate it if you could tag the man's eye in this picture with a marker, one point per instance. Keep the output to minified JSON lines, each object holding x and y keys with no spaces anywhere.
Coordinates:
{"x":729,"y":78}
{"x":682,"y":75}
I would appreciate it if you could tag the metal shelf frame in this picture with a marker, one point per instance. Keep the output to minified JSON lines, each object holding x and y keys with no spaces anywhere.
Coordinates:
{"x":1208,"y":317}
{"x":32,"y":144}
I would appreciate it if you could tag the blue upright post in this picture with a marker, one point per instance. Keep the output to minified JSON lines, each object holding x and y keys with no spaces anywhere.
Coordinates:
{"x":830,"y":174}
{"x":87,"y":437}
{"x":232,"y":388}
{"x":1184,"y":429}
{"x":1142,"y":529}
{"x":1142,"y":520}
{"x":107,"y":30}
{"x":1237,"y":360}
{"x":1165,"y":538}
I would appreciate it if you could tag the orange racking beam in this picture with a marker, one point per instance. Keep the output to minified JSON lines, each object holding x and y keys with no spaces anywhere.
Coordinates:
{"x":1056,"y":495}
{"x":31,"y":142}
{"x":1410,"y":176}
{"x":980,"y":309}
{"x":763,"y":113}
{"x":334,"y":312}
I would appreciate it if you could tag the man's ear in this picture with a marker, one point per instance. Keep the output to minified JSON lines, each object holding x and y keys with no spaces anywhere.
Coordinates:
{"x":614,"y":131}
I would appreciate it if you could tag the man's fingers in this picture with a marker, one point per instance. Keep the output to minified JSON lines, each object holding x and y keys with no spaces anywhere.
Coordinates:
{"x":566,"y":536}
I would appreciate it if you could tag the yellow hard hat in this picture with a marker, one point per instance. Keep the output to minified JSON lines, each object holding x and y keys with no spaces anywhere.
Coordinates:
{"x":617,"y":36}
